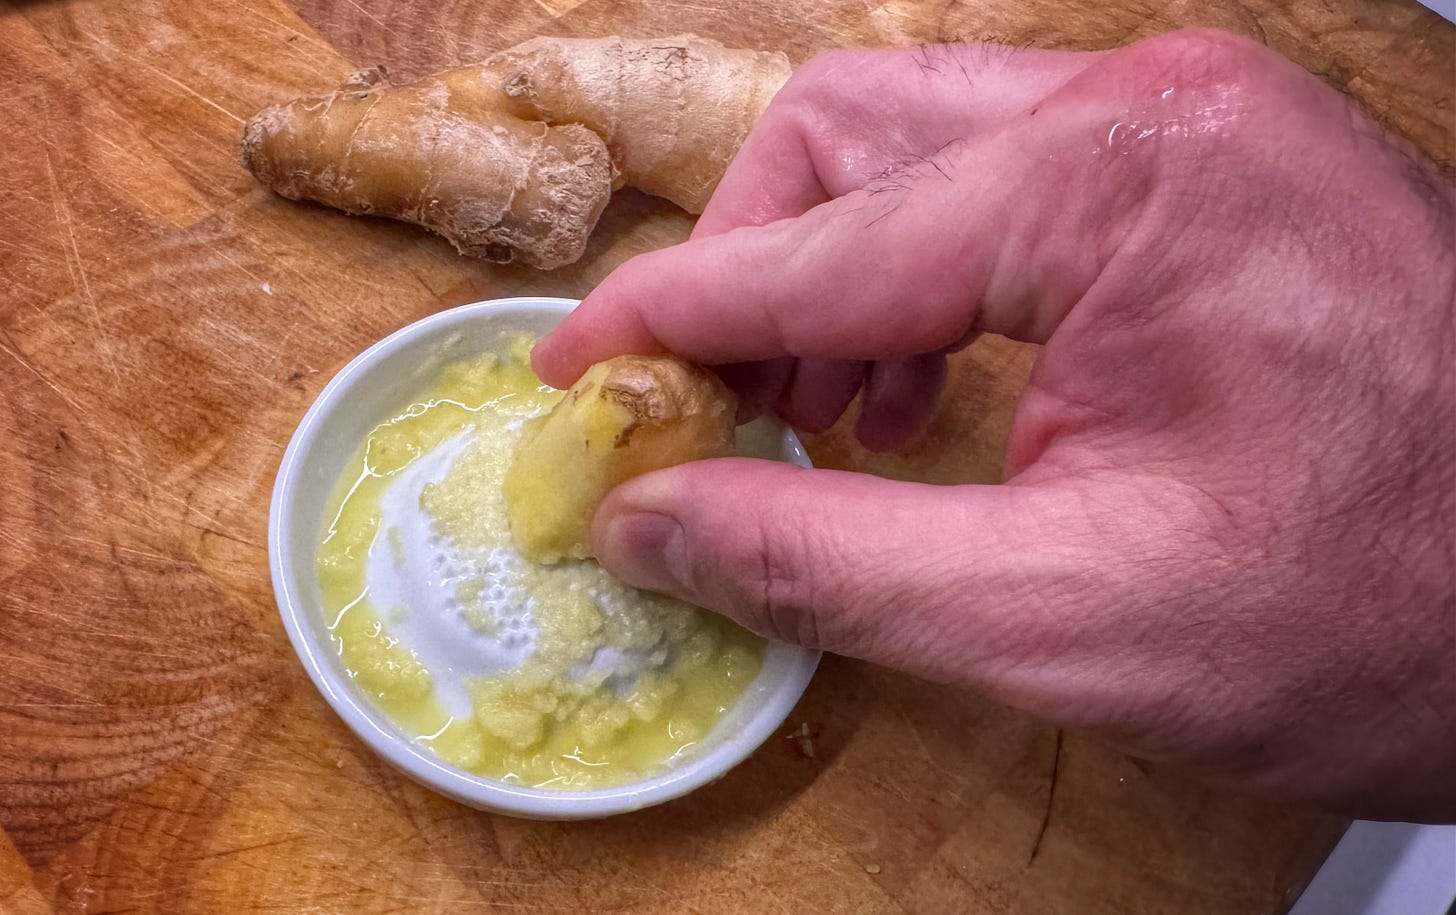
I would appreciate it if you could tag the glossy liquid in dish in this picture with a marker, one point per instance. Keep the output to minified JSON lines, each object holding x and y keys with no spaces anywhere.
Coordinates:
{"x":546,"y":676}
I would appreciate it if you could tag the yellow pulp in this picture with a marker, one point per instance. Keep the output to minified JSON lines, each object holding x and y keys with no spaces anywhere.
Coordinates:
{"x":558,"y":720}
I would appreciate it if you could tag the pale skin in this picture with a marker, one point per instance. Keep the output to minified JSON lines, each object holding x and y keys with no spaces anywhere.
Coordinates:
{"x":1225,"y":539}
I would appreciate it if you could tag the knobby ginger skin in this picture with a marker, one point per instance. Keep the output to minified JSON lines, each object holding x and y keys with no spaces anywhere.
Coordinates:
{"x":444,"y":154}
{"x":513,"y":159}
{"x":672,"y":111}
{"x":623,"y":418}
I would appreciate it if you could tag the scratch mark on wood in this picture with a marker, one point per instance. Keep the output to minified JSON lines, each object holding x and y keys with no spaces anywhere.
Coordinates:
{"x":144,"y":554}
{"x":30,"y":250}
{"x":372,"y":18}
{"x":185,"y":88}
{"x":1046,"y":816}
{"x":10,"y":348}
{"x":226,"y":536}
{"x":244,"y":270}
{"x":76,"y":268}
{"x":255,"y":846}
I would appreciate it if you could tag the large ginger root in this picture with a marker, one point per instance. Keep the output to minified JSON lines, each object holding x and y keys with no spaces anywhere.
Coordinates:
{"x":623,"y":418}
{"x":442,"y":153}
{"x":673,"y":111}
{"x":514,"y":158}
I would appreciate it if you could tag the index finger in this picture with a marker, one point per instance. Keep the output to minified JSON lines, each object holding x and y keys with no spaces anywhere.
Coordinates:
{"x":977,"y":236}
{"x":861,"y":277}
{"x":846,"y":117}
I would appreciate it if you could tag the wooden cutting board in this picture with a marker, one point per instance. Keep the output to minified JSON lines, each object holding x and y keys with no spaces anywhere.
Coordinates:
{"x":164,"y":323}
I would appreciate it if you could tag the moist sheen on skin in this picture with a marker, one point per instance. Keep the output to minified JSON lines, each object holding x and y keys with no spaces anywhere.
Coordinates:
{"x":548,"y":676}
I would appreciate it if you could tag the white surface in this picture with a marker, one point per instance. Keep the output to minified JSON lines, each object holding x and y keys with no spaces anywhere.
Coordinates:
{"x":414,"y":588}
{"x":374,"y":387}
{"x":1385,"y":869}
{"x":1446,"y":8}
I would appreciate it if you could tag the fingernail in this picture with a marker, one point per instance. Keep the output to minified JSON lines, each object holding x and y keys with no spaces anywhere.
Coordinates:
{"x":648,"y":550}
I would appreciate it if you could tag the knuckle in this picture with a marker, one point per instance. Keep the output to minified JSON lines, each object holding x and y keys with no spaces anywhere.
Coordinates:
{"x":821,"y":72}
{"x":629,"y":289}
{"x":795,"y":117}
{"x":777,"y":587}
{"x":1200,"y":108}
{"x":825,"y":83}
{"x":1205,"y":77}
{"x":1199,"y":56}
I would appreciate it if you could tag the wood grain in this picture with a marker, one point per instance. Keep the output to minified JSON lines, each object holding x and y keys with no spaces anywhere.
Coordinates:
{"x":166,"y":323}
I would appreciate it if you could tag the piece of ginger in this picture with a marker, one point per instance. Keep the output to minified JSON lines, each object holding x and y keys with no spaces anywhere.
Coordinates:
{"x":442,"y":153}
{"x":513,"y":159}
{"x":623,"y":418}
{"x":673,"y":111}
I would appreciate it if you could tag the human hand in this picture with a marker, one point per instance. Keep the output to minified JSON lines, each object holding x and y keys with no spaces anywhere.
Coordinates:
{"x":1225,"y":538}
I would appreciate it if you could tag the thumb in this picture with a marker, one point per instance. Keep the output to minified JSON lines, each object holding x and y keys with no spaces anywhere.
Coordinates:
{"x":944,"y":582}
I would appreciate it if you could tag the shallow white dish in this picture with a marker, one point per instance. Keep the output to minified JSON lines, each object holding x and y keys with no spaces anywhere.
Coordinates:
{"x":369,"y":390}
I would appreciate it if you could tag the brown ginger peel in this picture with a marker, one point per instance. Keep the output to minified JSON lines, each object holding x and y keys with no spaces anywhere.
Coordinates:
{"x":672,"y":111}
{"x":514,"y":158}
{"x":444,"y":154}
